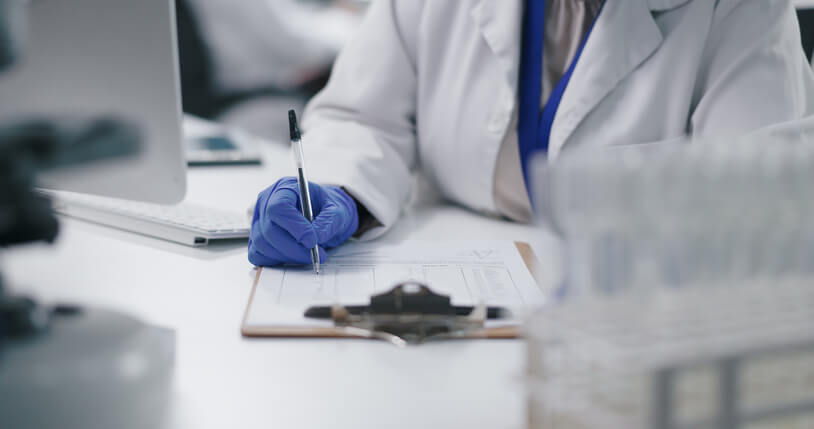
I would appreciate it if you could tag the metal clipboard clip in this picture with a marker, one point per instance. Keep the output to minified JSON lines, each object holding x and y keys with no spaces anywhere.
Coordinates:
{"x":410,"y":313}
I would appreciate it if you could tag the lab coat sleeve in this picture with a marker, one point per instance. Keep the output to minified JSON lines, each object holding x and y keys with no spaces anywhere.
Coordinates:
{"x":755,"y":73}
{"x":359,"y":130}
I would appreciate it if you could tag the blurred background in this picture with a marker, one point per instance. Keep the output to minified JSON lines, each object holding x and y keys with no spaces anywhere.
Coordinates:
{"x":246,"y":63}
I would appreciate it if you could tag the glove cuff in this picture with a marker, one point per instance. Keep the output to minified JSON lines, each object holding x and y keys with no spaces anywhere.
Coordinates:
{"x":352,"y":209}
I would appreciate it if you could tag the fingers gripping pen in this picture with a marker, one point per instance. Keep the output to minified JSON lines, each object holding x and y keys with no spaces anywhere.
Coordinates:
{"x":302,"y":180}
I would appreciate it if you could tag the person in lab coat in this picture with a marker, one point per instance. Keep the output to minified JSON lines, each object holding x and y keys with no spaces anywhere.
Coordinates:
{"x":470,"y":89}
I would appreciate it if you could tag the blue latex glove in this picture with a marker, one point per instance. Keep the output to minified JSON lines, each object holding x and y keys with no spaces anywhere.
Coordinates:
{"x":281,"y":234}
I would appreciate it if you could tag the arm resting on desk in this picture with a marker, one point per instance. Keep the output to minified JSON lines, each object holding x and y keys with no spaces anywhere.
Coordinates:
{"x":355,"y":137}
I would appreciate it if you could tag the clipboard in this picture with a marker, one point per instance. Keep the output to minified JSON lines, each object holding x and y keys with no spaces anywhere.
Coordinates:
{"x":503,"y":332}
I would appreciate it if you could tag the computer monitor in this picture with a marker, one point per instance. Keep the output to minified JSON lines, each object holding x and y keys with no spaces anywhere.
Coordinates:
{"x":106,"y":57}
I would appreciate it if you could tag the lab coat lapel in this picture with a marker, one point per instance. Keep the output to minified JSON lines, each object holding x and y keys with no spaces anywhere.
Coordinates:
{"x":500,"y":24}
{"x":623,"y":37}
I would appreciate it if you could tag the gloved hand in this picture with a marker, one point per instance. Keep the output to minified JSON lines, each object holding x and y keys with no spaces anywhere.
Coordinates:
{"x":281,"y":234}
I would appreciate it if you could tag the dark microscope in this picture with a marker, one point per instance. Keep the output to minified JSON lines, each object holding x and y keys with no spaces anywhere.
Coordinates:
{"x":61,"y":365}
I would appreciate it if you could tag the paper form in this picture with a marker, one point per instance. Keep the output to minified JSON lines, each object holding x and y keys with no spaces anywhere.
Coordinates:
{"x":469,"y":272}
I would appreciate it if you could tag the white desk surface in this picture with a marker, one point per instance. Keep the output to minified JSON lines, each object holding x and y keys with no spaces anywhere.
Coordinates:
{"x":225,"y":381}
{"x":804,"y":4}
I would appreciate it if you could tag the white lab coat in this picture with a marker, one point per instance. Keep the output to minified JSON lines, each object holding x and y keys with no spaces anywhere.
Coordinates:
{"x":434,"y":83}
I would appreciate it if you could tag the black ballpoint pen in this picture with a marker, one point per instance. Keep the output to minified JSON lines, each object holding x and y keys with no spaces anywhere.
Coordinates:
{"x":302,"y":180}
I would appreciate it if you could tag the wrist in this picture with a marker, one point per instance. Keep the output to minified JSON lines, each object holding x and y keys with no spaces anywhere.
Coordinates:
{"x":366,"y":221}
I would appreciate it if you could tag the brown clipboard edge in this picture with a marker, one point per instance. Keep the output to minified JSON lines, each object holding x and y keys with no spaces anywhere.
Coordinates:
{"x":503,"y":332}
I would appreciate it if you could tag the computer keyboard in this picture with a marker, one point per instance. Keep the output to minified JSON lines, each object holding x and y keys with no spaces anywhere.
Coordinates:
{"x":184,"y":223}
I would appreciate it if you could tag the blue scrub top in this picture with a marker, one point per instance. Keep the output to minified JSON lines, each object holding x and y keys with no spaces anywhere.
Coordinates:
{"x":534,"y":126}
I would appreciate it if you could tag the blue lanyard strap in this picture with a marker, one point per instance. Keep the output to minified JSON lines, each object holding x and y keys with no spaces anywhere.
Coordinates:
{"x":533,"y":126}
